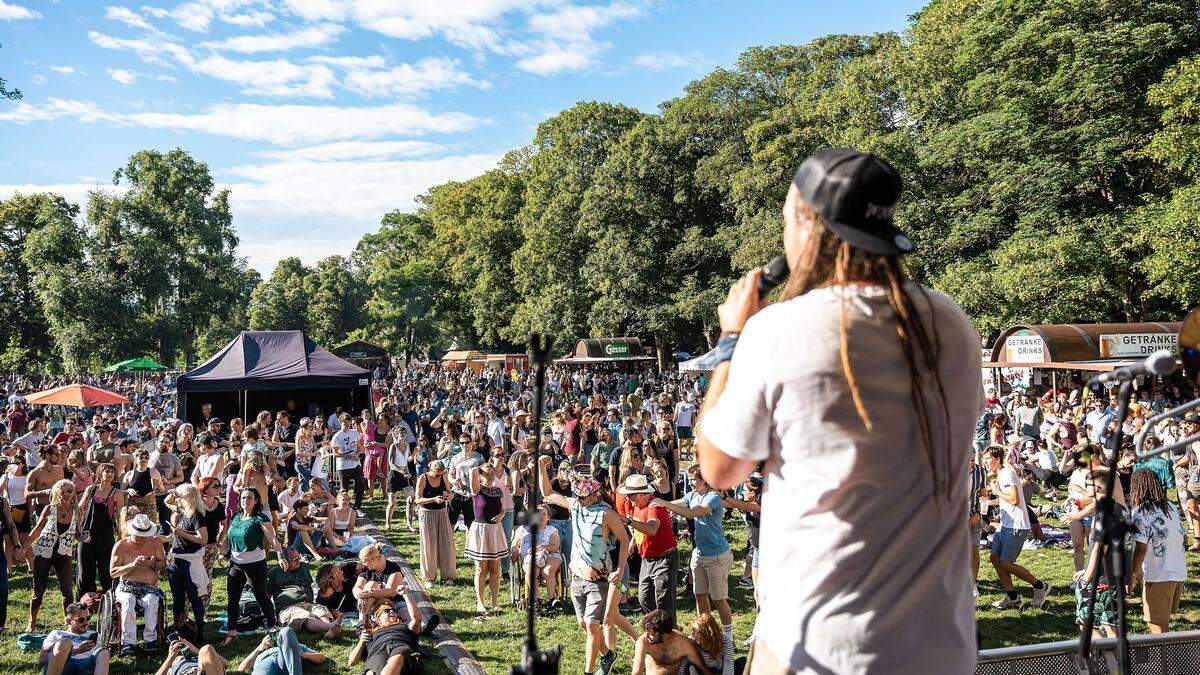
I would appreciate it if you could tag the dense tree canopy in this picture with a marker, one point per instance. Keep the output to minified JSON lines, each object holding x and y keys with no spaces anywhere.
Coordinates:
{"x":1051,"y":154}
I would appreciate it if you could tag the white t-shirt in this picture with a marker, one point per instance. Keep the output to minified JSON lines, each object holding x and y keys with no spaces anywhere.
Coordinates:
{"x":346,"y":441}
{"x":1162,"y":533}
{"x":863,"y":570}
{"x":684,"y":411}
{"x":1012,"y":516}
{"x":76,"y":639}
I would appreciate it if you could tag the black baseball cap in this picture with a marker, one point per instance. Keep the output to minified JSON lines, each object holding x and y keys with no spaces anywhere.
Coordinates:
{"x":855,"y":193}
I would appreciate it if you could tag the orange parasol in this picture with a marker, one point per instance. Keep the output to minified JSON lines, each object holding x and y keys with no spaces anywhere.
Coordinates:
{"x":76,"y":396}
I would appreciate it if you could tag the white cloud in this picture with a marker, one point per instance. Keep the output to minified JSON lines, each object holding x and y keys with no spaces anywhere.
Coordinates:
{"x":350,"y":62}
{"x":52,"y":109}
{"x":125,"y":77}
{"x":38,"y":79}
{"x":10,"y":12}
{"x":572,"y":23}
{"x":194,"y":16}
{"x":406,"y":79}
{"x":65,"y":70}
{"x":318,"y":10}
{"x":165,"y":78}
{"x":553,"y":58}
{"x":154,"y":50}
{"x":314,"y":36}
{"x":310,"y":200}
{"x":272,"y":78}
{"x":567,"y":42}
{"x":128,"y":17}
{"x":667,"y":60}
{"x":251,"y":19}
{"x":286,"y":125}
{"x":345,"y":150}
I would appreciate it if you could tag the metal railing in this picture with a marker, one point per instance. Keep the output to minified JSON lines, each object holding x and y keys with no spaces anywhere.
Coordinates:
{"x":1175,"y":653}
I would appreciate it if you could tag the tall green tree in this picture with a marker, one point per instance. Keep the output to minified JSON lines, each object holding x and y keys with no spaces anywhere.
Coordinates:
{"x":89,"y":311}
{"x":475,"y":233}
{"x":548,"y":268}
{"x":335,"y":301}
{"x":24,"y":335}
{"x":170,"y":238}
{"x":1030,"y":122}
{"x":281,"y":302}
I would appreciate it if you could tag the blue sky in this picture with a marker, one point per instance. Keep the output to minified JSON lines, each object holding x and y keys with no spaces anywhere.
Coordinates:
{"x":322,"y":115}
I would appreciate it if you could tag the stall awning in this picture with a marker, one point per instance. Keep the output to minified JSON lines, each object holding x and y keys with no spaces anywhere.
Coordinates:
{"x":604,"y":359}
{"x":1099,"y":366}
{"x":463,"y":356}
{"x":1096,"y":347}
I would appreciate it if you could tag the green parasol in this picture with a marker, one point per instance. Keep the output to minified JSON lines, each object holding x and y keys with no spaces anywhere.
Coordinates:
{"x":139,"y":365}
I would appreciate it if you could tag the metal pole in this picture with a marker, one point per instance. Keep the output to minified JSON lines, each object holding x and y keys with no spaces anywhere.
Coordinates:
{"x":1111,"y":537}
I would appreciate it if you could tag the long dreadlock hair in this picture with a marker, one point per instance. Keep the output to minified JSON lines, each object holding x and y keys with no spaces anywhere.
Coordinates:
{"x":827,"y":260}
{"x":1146,"y":490}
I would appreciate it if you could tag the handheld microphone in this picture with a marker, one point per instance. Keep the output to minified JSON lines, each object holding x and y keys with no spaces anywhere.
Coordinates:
{"x":1161,"y":362}
{"x":773,"y":274}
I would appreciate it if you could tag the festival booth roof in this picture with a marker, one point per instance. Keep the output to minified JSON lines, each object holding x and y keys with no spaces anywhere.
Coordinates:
{"x":257,"y":360}
{"x":1093,"y":347}
{"x":607,"y":350}
{"x":463,"y":355}
{"x":361,"y":349}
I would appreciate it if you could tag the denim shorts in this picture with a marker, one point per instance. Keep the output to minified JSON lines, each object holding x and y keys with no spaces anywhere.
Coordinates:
{"x":1007,"y":543}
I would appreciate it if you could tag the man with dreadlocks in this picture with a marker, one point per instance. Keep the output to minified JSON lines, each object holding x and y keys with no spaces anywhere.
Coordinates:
{"x":858,"y":391}
{"x":1158,"y":556}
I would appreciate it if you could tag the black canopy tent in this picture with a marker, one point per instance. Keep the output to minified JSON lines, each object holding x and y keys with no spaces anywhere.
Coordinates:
{"x":265,"y":370}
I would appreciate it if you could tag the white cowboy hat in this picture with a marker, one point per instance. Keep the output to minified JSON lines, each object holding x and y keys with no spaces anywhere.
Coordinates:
{"x":140,"y":526}
{"x":635,"y":484}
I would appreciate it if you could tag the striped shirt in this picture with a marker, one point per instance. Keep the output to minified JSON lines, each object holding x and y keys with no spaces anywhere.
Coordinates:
{"x":978,"y":481}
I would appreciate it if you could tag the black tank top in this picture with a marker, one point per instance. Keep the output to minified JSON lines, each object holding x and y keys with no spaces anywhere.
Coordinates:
{"x":141,"y":482}
{"x":102,"y":524}
{"x":430,"y":491}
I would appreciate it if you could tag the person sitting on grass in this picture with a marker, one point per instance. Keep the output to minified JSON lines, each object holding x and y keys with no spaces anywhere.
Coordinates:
{"x":663,"y":650}
{"x":280,"y":653}
{"x":73,"y":650}
{"x":381,"y":581}
{"x":388,"y":648}
{"x":183,"y":658}
{"x":290,"y":587}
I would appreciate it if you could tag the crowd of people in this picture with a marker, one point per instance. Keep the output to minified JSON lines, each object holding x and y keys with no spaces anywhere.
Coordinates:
{"x":1055,"y":445}
{"x":127,"y":499}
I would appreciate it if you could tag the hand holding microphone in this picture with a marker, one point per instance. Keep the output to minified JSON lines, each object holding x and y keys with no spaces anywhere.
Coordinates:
{"x":746,"y":295}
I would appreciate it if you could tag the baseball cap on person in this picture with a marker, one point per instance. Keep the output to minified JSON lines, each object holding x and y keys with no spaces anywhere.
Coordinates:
{"x":855,"y":193}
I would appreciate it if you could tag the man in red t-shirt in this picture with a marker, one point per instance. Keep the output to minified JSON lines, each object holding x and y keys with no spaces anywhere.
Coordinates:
{"x":571,"y":431}
{"x":655,"y":539}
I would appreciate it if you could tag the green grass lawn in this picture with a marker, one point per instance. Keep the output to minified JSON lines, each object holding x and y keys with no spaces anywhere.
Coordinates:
{"x":497,"y":642}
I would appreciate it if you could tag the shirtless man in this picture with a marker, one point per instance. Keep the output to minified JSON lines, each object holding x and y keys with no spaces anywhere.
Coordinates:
{"x":137,"y":560}
{"x":661,"y":649}
{"x":43,"y":477}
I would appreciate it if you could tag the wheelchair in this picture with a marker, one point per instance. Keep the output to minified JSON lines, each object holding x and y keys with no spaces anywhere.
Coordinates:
{"x":518,"y":586}
{"x":108,"y":628}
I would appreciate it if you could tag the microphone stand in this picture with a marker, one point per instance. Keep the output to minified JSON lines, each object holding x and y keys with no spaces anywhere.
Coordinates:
{"x":1110,"y":534}
{"x":533,"y":661}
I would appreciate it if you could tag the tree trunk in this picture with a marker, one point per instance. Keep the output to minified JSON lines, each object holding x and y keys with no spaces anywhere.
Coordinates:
{"x":664,"y":354}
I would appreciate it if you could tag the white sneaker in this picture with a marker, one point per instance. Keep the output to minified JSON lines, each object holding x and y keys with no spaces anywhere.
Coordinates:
{"x":1039,"y":596}
{"x":1008,"y":603}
